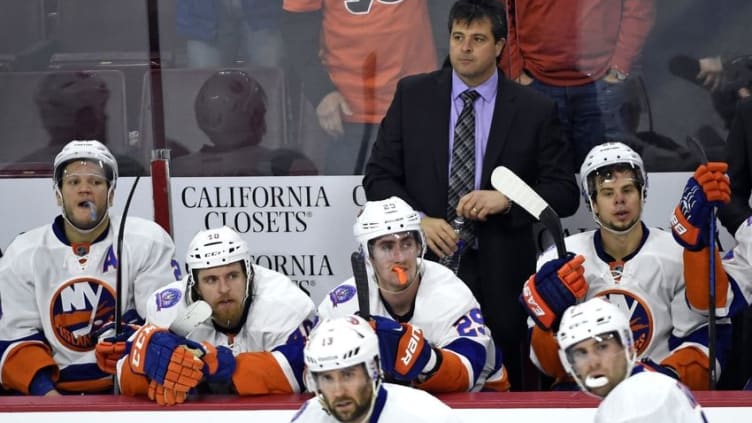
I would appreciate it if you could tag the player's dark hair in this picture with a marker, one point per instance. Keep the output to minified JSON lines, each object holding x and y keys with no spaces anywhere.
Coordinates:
{"x":475,"y":10}
{"x":592,"y":178}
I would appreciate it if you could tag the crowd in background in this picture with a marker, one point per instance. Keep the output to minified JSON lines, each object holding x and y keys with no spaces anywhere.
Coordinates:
{"x":327,"y":75}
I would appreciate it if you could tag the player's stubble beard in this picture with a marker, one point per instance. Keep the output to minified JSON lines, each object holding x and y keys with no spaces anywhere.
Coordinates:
{"x":361,"y":408}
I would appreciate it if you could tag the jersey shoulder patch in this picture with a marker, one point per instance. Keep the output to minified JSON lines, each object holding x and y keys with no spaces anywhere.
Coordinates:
{"x":342,"y":294}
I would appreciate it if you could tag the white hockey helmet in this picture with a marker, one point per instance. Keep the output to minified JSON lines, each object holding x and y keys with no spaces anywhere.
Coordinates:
{"x":340,"y":343}
{"x":216,"y":247}
{"x":609,"y":154}
{"x":592,"y":319}
{"x":90,"y":150}
{"x":390,"y":216}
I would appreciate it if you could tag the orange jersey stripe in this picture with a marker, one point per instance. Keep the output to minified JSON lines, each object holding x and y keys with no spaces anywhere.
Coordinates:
{"x":23,"y":362}
{"x":259,"y":373}
{"x":452,"y":375}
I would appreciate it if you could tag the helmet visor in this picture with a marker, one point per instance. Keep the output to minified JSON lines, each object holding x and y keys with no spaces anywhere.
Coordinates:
{"x":603,"y":348}
{"x":398,"y":246}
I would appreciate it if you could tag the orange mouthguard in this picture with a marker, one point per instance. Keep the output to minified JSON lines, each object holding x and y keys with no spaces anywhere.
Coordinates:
{"x":401,"y":274}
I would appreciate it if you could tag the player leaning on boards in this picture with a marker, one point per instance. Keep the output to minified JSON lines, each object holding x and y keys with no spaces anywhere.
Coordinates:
{"x":343,"y":370}
{"x":58,"y":282}
{"x":430,"y":328}
{"x":597,"y":350}
{"x":253,"y":343}
{"x":639,"y":269}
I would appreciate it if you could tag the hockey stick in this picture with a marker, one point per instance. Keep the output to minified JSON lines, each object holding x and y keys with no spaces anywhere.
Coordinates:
{"x":358,"y":263}
{"x":711,"y":277}
{"x":514,"y":188}
{"x":119,"y":274}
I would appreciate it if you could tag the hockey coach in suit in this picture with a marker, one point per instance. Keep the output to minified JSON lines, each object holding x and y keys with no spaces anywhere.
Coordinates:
{"x":515,"y":127}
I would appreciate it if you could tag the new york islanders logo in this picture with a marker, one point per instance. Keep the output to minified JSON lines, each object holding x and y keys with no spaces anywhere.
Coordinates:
{"x":640,"y":317}
{"x":78,"y":308}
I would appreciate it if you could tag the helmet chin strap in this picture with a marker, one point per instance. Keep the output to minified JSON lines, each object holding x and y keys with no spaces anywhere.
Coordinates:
{"x":613,"y":231}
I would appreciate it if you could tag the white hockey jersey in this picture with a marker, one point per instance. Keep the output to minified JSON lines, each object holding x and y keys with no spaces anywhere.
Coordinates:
{"x":55,"y":297}
{"x":737,"y":263}
{"x":278,"y":321}
{"x":394,"y":403}
{"x":648,"y":286}
{"x":445,"y":310}
{"x":649,"y":397}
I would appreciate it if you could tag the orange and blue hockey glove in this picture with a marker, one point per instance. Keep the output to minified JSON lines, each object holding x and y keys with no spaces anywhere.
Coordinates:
{"x":404,"y":352}
{"x":558,"y":284}
{"x":707,"y":188}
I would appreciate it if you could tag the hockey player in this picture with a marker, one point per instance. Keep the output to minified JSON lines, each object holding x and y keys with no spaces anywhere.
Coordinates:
{"x":639,"y":269}
{"x":418,"y":301}
{"x":58,"y":281}
{"x":597,"y":349}
{"x":253,"y":343}
{"x":343,"y":370}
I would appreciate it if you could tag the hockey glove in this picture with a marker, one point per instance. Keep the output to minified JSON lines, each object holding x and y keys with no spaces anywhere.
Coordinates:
{"x":558,"y":284}
{"x":165,"y":396}
{"x":707,"y":188}
{"x":219,"y":363}
{"x":166,"y":358}
{"x":111,"y":348}
{"x":404,"y":352}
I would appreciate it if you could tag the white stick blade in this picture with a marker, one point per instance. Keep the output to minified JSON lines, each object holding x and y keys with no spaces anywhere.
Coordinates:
{"x":509,"y":184}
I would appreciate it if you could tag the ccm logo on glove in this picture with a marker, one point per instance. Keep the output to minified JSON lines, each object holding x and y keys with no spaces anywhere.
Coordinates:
{"x":137,"y":354}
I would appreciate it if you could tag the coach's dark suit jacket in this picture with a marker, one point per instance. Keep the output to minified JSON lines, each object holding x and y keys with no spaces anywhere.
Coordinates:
{"x":410,"y":159}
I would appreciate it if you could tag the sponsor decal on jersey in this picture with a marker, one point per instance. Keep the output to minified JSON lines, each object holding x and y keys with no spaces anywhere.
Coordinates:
{"x":168,"y":298}
{"x":640,"y":318}
{"x":78,"y":308}
{"x":342,"y":294}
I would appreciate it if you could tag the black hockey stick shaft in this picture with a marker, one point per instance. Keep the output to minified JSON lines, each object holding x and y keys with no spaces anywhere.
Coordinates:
{"x":552,"y":223}
{"x":119,"y":273}
{"x":712,"y":344}
{"x":358,"y":262}
{"x":119,"y":253}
